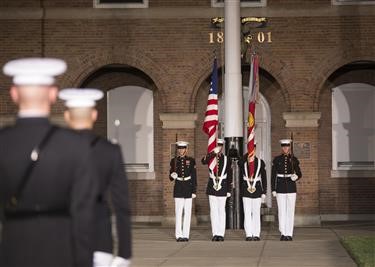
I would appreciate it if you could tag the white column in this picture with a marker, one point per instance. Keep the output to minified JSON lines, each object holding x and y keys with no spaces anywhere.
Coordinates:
{"x":233,"y":80}
{"x":233,"y":114}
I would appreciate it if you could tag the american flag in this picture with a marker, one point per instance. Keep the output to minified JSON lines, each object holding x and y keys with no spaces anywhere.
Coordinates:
{"x":211,"y":117}
{"x":253,"y":93}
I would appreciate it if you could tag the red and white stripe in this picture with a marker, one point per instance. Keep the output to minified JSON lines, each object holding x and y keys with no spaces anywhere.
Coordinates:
{"x":211,"y":120}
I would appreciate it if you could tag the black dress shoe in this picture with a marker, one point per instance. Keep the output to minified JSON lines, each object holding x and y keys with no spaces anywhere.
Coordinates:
{"x":256,"y":238}
{"x":283,"y":238}
{"x":185,"y":239}
{"x":289,"y":238}
{"x":249,"y":238}
{"x":214,"y":238}
{"x":220,"y":238}
{"x":179,"y":239}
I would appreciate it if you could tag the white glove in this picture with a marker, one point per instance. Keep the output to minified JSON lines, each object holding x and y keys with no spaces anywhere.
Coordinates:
{"x":120,"y":262}
{"x":294,"y":177}
{"x":217,"y":149}
{"x":193,"y":195}
{"x":174,"y":175}
{"x":229,"y":194}
{"x":263,"y":198}
{"x":274,"y":193}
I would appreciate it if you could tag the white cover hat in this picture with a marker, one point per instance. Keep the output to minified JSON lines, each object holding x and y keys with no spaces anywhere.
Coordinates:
{"x":285,"y":142}
{"x":182,"y":144}
{"x":220,"y":141}
{"x":80,"y":98}
{"x":34,"y":71}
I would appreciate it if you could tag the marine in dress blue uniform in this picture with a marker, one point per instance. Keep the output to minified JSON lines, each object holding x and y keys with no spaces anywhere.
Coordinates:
{"x":113,"y":196}
{"x":285,"y":173}
{"x":183,"y":172}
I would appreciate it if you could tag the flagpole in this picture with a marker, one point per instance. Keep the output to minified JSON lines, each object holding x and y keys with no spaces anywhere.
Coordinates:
{"x":233,"y":109}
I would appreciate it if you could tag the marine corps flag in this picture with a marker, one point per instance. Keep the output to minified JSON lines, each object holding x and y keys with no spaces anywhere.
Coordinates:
{"x":211,"y":120}
{"x":253,"y":94}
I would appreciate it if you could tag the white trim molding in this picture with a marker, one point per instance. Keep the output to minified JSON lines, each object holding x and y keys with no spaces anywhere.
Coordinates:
{"x":98,"y":4}
{"x":352,"y":2}
{"x":278,"y":11}
{"x":140,"y":175}
{"x":147,"y":219}
{"x":352,"y":173}
{"x":178,"y":120}
{"x":307,"y":220}
{"x":302,"y":119}
{"x":347,"y":217}
{"x":259,"y":3}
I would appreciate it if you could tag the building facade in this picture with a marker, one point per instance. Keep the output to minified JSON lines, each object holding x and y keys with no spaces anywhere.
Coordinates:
{"x":154,"y":61}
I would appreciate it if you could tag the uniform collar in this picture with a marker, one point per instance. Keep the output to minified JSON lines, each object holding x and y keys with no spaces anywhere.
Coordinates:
{"x":32,"y":121}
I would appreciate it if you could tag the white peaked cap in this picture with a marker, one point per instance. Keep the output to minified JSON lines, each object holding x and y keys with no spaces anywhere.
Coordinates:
{"x":220,"y":141}
{"x":34,"y":71}
{"x":80,"y":98}
{"x":285,"y":141}
{"x":182,"y":143}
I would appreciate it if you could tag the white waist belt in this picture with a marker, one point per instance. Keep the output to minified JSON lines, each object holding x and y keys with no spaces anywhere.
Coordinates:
{"x":254,"y":180}
{"x":284,"y":175}
{"x":183,"y":178}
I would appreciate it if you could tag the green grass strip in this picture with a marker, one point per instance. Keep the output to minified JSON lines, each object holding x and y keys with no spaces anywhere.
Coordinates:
{"x":361,"y":249}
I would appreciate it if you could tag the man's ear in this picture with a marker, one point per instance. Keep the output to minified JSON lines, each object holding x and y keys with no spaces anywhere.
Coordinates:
{"x":52,"y":94}
{"x":14,"y":94}
{"x":94,"y":114}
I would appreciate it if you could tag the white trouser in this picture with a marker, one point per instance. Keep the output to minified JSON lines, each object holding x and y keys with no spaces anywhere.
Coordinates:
{"x":251,"y":208}
{"x":217,"y":214}
{"x":183,"y":205}
{"x":104,"y":259}
{"x":286,"y":204}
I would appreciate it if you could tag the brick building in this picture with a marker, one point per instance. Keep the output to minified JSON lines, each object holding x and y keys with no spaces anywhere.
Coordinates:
{"x":317,"y":80}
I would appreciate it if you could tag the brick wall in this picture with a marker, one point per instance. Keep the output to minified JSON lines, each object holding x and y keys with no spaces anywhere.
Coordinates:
{"x":175,"y":56}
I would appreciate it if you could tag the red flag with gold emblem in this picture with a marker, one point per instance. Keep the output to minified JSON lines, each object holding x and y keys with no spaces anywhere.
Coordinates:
{"x":253,"y":93}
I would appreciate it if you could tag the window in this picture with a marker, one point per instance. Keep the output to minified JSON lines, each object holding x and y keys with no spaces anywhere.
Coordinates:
{"x":244,"y":3}
{"x":120,"y":3}
{"x":353,"y":127}
{"x":353,"y":2}
{"x":131,"y":124}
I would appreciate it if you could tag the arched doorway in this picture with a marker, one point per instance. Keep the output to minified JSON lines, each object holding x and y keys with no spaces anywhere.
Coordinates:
{"x":346,"y":136}
{"x":132,"y":97}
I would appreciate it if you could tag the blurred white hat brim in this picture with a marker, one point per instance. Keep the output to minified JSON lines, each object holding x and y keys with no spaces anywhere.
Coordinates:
{"x":35,"y":66}
{"x":80,"y":103}
{"x":75,"y":97}
{"x":34,"y":71}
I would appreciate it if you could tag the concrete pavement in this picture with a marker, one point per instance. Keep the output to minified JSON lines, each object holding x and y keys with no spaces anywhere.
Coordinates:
{"x":312,"y":247}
